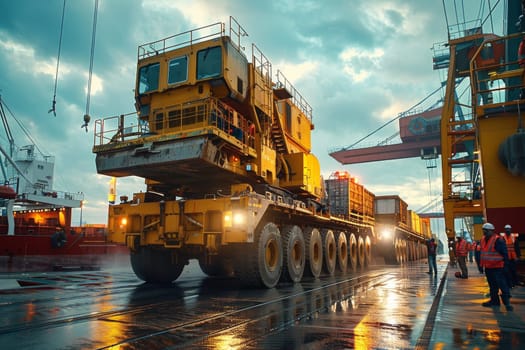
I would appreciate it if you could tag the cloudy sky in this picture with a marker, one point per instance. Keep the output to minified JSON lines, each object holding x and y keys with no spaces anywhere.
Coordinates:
{"x":359,"y":63}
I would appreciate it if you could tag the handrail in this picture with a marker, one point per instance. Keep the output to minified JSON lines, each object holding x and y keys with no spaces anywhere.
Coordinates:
{"x":484,"y":72}
{"x":189,"y":37}
{"x":178,"y":118}
{"x":297,"y":98}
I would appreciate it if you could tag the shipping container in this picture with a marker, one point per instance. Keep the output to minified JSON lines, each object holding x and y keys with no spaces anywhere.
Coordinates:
{"x":392,"y":209}
{"x":346,"y":197}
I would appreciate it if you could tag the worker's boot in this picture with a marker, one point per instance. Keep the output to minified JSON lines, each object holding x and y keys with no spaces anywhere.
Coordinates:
{"x":506,"y":302}
{"x":490,"y":303}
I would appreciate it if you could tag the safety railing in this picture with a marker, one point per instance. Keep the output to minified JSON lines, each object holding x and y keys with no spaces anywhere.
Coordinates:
{"x":297,"y":98}
{"x":496,"y":76}
{"x":193,"y":36}
{"x":464,"y":29}
{"x":189,"y":37}
{"x":124,"y":127}
{"x":179,"y":118}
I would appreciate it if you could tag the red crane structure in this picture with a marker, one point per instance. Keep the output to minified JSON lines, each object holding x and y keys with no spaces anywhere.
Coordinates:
{"x":419,"y":131}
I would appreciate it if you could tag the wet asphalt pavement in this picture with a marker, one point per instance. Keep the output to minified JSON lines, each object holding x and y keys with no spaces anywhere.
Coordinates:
{"x":384,"y":307}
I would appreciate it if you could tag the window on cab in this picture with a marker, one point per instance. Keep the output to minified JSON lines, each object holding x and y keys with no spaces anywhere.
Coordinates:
{"x":209,"y":63}
{"x":178,"y":70}
{"x":149,"y":78}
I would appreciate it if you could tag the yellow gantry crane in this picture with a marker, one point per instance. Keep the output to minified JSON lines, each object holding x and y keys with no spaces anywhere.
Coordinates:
{"x":483,"y":141}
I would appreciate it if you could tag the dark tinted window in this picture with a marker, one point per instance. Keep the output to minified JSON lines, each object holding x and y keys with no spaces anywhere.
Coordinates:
{"x":209,"y":63}
{"x":178,"y":70}
{"x":149,"y":78}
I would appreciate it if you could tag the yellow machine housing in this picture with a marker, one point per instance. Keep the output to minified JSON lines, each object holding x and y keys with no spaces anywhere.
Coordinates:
{"x":235,"y":122}
{"x":491,"y":136}
{"x":225,"y":152}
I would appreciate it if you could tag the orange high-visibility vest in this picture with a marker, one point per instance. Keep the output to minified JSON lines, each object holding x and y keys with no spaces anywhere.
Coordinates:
{"x":509,"y":239}
{"x":462,"y":248}
{"x":490,"y":258}
{"x":521,"y":53}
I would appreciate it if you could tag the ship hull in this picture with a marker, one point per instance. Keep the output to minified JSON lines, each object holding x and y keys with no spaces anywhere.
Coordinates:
{"x":32,"y":253}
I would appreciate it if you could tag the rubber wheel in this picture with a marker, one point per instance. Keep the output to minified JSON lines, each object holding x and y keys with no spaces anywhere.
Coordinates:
{"x":260,"y":264}
{"x":352,"y":251}
{"x":368,"y":251}
{"x":329,"y":251}
{"x":215,"y":266}
{"x":390,"y":251}
{"x":360,"y":251}
{"x":398,"y":251}
{"x":342,"y":252}
{"x":156,"y":265}
{"x":294,"y":254}
{"x":314,"y":252}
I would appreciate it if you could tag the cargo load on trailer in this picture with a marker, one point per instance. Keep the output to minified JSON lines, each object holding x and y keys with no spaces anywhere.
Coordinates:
{"x":230,"y":178}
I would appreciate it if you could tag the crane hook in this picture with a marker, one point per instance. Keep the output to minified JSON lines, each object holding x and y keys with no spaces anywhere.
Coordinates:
{"x":87,"y":118}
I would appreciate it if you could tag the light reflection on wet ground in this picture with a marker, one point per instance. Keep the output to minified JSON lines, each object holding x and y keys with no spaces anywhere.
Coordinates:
{"x":385,"y":308}
{"x":462,"y":323}
{"x":387,"y":315}
{"x":392,"y":316}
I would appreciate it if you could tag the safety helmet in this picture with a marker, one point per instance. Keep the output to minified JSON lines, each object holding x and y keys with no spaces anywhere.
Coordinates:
{"x":507,"y":226}
{"x":488,"y":226}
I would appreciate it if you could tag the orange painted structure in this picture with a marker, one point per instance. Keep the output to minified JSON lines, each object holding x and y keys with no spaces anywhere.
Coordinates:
{"x":487,"y":140}
{"x":420,"y":136}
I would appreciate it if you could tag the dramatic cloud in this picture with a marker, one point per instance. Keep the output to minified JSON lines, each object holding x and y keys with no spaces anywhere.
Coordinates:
{"x":358,"y":63}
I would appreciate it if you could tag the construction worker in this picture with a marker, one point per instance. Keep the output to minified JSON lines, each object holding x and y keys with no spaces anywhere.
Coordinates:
{"x":432,"y":250}
{"x":477,"y":256}
{"x":493,"y":259}
{"x":513,"y":250}
{"x":462,"y":249}
{"x":472,"y":248}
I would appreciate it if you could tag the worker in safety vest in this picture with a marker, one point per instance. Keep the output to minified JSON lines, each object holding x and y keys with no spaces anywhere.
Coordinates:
{"x":477,"y":255}
{"x":514,"y":253}
{"x":521,"y":52}
{"x":432,"y":251}
{"x":493,"y":259}
{"x":462,"y":249}
{"x":472,"y":248}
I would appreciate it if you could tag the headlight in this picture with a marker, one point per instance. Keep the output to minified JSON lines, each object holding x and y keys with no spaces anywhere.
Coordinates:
{"x":239,"y":218}
{"x":385,"y":234}
{"x":232,"y":219}
{"x":123,"y":222}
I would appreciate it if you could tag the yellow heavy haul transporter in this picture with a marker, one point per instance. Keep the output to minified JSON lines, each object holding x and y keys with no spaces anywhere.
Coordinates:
{"x":225,"y":153}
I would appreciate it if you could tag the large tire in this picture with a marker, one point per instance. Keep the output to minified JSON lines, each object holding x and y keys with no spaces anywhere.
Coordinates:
{"x":157,"y":265}
{"x":314,"y":252}
{"x":401,"y":250}
{"x":342,"y":252}
{"x":368,"y":251}
{"x":399,"y":253}
{"x":260,"y":264}
{"x":215,"y":265}
{"x":360,"y":251}
{"x":329,"y":251}
{"x":294,"y":254}
{"x":352,"y":252}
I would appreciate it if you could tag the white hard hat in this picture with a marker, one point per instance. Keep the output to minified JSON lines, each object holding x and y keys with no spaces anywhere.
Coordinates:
{"x":488,"y":226}
{"x":507,"y":226}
